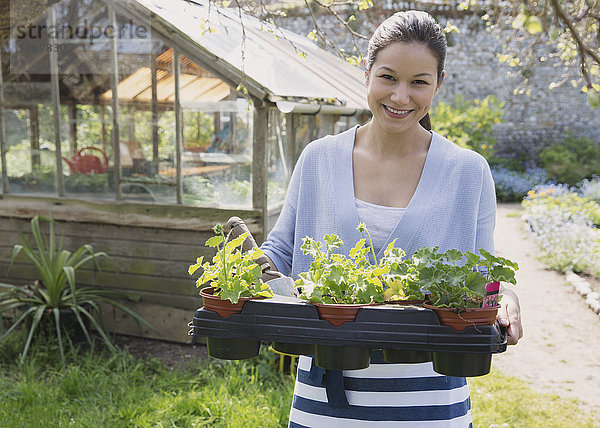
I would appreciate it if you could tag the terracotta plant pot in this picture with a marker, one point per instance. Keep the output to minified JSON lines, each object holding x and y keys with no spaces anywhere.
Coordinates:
{"x":406,"y":356}
{"x":459,"y":319}
{"x":228,"y":348}
{"x":222,"y":307}
{"x":337,"y":314}
{"x":342,"y":357}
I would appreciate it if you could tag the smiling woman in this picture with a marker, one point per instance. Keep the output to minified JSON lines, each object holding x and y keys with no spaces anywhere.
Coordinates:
{"x":393,"y":162}
{"x":392,"y":148}
{"x":401,"y":85}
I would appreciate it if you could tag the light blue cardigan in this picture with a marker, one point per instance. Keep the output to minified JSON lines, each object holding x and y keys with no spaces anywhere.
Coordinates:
{"x":454,"y":205}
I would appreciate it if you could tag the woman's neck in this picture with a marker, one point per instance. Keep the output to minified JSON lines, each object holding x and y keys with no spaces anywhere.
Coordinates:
{"x":381,"y":143}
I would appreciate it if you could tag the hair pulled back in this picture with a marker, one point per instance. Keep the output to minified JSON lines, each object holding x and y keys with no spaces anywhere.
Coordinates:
{"x":411,"y":26}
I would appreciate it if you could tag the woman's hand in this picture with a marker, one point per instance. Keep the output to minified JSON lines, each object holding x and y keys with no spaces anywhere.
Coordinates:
{"x":509,"y":315}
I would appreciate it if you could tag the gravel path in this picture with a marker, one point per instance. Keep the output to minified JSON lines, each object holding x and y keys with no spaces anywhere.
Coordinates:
{"x":560,"y":350}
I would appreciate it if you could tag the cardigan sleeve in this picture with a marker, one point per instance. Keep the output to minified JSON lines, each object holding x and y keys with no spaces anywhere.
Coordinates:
{"x":486,"y":216}
{"x":279,"y":246}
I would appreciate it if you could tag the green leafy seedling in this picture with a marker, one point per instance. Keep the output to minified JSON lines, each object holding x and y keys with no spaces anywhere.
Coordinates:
{"x":232,"y":272}
{"x":337,"y":278}
{"x":454,"y":279}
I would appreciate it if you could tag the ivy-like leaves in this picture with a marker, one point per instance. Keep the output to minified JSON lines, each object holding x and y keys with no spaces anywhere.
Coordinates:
{"x":456,"y":280}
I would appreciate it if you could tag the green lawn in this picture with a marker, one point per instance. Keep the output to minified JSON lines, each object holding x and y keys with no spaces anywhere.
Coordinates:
{"x":503,"y":401}
{"x":120,"y":391}
{"x":110,"y":391}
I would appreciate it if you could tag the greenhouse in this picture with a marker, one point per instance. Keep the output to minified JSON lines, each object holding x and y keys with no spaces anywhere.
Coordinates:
{"x":137,"y":125}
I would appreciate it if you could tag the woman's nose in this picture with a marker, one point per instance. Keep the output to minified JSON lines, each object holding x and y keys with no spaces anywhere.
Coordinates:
{"x":400,"y":94}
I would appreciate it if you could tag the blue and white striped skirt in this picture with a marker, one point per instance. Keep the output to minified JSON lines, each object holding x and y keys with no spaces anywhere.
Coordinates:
{"x":382,"y":395}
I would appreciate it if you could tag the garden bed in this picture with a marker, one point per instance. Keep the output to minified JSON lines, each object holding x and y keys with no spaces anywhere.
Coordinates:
{"x":173,"y":355}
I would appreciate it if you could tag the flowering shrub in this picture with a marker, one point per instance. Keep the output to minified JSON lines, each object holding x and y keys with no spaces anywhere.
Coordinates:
{"x":567,"y":199}
{"x":513,"y":186}
{"x":469,"y":123}
{"x":591,"y":188}
{"x":562,"y":223}
{"x":571,"y":160}
{"x":550,"y":190}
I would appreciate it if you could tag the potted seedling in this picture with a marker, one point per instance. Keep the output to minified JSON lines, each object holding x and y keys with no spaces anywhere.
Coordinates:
{"x":339,"y":286}
{"x":402,"y":281}
{"x":402,"y":287}
{"x":457,"y":294}
{"x":233,"y":278}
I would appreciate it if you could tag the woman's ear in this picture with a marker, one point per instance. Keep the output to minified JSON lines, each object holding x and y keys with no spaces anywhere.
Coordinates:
{"x":439,"y":85}
{"x":367,"y":77}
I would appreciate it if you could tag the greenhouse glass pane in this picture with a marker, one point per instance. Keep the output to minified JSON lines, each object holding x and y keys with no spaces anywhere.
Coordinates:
{"x":280,"y":164}
{"x":217,"y":141}
{"x":29,"y":128}
{"x":86,"y":124}
{"x":146,"y":91}
{"x":31,"y":168}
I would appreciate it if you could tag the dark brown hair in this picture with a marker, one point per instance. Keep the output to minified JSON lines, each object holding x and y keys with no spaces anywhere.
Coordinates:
{"x":411,"y":26}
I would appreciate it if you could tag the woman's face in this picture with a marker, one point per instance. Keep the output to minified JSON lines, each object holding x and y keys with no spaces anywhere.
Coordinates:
{"x":401,"y":85}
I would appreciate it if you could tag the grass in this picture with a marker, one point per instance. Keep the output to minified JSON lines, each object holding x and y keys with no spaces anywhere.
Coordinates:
{"x":96,"y":390}
{"x":513,"y":214}
{"x":503,"y":401}
{"x":108,"y":391}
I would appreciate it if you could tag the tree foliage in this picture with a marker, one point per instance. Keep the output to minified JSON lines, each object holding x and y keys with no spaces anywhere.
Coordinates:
{"x":570,"y":30}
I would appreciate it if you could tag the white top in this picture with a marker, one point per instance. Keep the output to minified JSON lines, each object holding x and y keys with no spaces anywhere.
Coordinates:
{"x":380,"y":221}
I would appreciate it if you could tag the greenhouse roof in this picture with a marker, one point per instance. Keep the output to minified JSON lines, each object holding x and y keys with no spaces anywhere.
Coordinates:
{"x":197,"y":85}
{"x":275,"y":64}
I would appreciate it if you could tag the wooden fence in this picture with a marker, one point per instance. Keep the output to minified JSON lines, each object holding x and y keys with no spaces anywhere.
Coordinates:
{"x":149,"y":257}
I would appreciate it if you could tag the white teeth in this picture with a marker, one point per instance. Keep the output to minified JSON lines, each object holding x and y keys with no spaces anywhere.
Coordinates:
{"x":397,"y":111}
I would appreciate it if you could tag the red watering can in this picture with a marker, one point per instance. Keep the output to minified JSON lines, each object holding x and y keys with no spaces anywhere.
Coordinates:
{"x":87,"y":164}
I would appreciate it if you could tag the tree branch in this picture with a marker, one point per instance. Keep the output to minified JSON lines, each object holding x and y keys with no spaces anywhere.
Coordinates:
{"x":582,"y":48}
{"x":318,"y":31}
{"x":582,"y":15}
{"x":339,"y":18}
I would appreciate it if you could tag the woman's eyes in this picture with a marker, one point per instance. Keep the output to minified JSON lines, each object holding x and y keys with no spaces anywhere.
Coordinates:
{"x":393,"y":79}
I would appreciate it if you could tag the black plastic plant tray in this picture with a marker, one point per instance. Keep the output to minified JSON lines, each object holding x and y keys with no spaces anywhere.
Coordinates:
{"x":285,"y":319}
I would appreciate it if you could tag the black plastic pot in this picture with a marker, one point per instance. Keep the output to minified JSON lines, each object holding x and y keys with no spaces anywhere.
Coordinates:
{"x":462,"y":364}
{"x":70,"y":328}
{"x":294,"y":348}
{"x":342,"y":357}
{"x":282,"y":320}
{"x":406,"y":356}
{"x":232,"y":349}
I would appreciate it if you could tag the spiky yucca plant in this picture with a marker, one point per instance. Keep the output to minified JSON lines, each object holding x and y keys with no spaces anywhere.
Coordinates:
{"x":56,"y":290}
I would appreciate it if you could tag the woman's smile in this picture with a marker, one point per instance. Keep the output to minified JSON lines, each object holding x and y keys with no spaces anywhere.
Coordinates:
{"x":399,"y":113}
